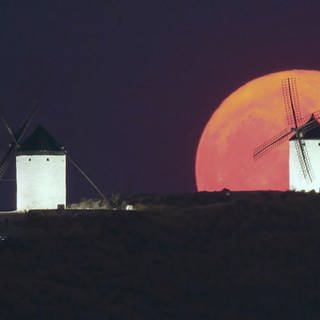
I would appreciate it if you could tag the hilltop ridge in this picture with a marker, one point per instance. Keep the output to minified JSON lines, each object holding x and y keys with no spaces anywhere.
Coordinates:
{"x":239,"y":256}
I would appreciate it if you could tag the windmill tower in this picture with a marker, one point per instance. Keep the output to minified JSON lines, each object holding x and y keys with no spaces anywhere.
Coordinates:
{"x":40,"y":172}
{"x":40,"y":167}
{"x":304,"y":142}
{"x":304,"y":174}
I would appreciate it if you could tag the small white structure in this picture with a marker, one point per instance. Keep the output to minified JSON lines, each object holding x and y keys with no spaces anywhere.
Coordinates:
{"x":40,"y":172}
{"x":311,"y":144}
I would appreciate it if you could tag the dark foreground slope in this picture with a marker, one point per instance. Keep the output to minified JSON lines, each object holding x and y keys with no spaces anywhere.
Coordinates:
{"x":247,"y":256}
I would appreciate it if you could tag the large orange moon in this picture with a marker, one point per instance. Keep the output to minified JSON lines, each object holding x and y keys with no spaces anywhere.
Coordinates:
{"x":248,"y":117}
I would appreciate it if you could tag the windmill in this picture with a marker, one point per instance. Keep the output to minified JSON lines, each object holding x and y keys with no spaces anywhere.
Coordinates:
{"x":40,"y":167}
{"x":303,"y":135}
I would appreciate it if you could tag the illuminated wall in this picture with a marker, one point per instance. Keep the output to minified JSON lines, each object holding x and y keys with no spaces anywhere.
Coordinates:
{"x":41,"y":181}
{"x":296,"y":179}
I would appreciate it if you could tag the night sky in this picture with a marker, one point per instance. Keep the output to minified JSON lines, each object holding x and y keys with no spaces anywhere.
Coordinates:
{"x":128,"y":86}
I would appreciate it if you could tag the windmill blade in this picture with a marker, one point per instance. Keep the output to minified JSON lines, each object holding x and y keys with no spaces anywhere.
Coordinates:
{"x":272,"y":143}
{"x":86,"y":177}
{"x":5,"y":161}
{"x":8,"y":128}
{"x":304,"y":160}
{"x":27,"y":122}
{"x":291,"y":102}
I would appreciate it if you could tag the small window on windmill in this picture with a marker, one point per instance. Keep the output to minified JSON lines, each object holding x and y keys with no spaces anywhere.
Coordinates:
{"x":29,"y":159}
{"x":48,"y":159}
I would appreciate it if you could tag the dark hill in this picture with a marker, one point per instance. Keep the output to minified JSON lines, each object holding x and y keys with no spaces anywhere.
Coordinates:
{"x":204,"y":256}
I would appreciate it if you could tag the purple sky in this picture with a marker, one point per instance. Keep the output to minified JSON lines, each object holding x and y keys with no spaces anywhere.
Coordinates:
{"x":127,"y":86}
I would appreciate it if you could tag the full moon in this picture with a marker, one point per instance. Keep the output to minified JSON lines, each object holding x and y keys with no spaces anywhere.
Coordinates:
{"x":251,"y":115}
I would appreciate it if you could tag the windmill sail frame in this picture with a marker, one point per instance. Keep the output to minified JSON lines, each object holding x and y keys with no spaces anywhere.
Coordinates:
{"x":297,"y":129}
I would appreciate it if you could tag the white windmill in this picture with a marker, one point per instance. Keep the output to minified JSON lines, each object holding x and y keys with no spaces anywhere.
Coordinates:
{"x":304,"y":142}
{"x":40,"y":172}
{"x":40,"y":167}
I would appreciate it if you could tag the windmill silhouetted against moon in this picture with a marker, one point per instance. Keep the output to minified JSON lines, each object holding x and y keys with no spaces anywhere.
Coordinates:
{"x":303,"y":135}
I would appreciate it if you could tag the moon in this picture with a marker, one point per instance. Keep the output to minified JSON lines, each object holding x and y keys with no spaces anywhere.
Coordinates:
{"x":251,"y":115}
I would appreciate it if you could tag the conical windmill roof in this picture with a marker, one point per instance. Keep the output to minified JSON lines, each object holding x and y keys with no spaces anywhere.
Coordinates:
{"x":40,"y":142}
{"x":313,"y":134}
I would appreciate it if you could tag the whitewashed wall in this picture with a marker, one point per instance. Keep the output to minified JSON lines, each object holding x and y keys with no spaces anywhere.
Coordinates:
{"x":296,"y":179}
{"x":41,"y":181}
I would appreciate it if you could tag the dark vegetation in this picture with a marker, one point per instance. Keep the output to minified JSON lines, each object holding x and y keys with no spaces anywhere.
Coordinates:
{"x":204,"y":256}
